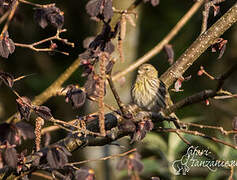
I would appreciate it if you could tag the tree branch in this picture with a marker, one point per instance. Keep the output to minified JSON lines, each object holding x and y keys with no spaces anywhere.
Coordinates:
{"x":196,"y":133}
{"x":11,"y":14}
{"x":52,"y":89}
{"x":161,"y":44}
{"x":112,"y":120}
{"x":199,"y":46}
{"x":32,"y":46}
{"x":195,"y":98}
{"x":203,"y":95}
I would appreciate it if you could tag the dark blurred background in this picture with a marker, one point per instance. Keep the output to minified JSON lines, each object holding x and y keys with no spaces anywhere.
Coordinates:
{"x":153,"y":24}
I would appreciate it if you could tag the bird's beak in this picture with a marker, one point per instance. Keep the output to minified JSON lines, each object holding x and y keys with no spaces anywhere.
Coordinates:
{"x":139,"y":72}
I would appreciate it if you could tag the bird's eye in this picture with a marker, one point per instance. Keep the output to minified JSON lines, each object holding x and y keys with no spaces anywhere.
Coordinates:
{"x":147,"y":69}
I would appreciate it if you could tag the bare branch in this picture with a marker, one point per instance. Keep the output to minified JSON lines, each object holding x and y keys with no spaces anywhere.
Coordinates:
{"x":104,"y":158}
{"x":55,"y":37}
{"x":195,"y":98}
{"x":161,"y":44}
{"x":36,"y":5}
{"x":231,"y":173}
{"x":196,"y":133}
{"x":206,"y":11}
{"x":13,"y":10}
{"x":203,"y":95}
{"x":201,"y":126}
{"x":199,"y":46}
{"x":4,"y":16}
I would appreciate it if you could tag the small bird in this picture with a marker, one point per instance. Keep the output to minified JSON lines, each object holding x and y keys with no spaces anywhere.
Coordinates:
{"x":148,"y":91}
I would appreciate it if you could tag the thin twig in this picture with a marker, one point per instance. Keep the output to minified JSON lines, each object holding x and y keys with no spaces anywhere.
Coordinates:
{"x":199,"y":46}
{"x":51,"y":128}
{"x":203,"y":95}
{"x":50,"y":91}
{"x":70,"y":124}
{"x":231,"y":173}
{"x":55,"y":37}
{"x":226,"y":96}
{"x":45,"y":176}
{"x":64,"y":128}
{"x":205,"y":14}
{"x":195,"y":98}
{"x":24,"y":174}
{"x":124,"y":11}
{"x":13,"y":10}
{"x":196,"y":133}
{"x":228,"y":73}
{"x":104,"y":158}
{"x":36,"y":5}
{"x":116,"y":96}
{"x":111,"y":108}
{"x":206,"y":11}
{"x":207,"y":74}
{"x":183,"y":139}
{"x":40,"y":49}
{"x":161,"y":44}
{"x":4,"y":16}
{"x":55,"y":127}
{"x":22,"y":77}
{"x":201,"y":126}
{"x":114,"y":91}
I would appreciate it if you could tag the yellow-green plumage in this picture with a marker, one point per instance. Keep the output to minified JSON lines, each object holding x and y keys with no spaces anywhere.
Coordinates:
{"x":148,"y":91}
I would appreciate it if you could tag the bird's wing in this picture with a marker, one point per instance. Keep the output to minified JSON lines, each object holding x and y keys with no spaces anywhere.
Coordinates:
{"x":161,"y":94}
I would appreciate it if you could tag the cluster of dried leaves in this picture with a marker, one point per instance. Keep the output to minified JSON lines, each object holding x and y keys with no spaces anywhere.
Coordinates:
{"x":7,"y":46}
{"x":49,"y":15}
{"x":55,"y":158}
{"x":44,"y":16}
{"x":12,"y":133}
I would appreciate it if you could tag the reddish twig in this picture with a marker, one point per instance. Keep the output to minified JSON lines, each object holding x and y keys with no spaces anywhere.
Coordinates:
{"x":196,"y":133}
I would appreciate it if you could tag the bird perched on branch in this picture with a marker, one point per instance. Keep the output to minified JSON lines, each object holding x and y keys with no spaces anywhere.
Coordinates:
{"x":149,"y":92}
